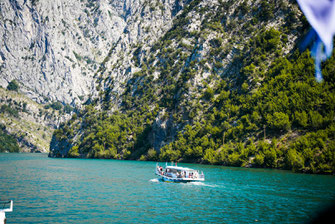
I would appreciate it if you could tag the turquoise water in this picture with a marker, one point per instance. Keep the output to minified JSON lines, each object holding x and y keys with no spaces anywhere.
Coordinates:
{"x":47,"y":190}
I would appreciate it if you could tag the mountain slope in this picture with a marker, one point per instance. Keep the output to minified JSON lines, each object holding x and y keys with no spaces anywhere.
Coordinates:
{"x":59,"y":51}
{"x":26,"y":123}
{"x":56,"y":48}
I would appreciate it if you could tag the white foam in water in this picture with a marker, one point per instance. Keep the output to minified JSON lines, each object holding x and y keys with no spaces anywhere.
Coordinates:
{"x":197,"y":183}
{"x":201,"y":184}
{"x":155,"y":180}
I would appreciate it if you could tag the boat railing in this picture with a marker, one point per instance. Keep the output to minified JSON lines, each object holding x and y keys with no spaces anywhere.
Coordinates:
{"x":6,"y":205}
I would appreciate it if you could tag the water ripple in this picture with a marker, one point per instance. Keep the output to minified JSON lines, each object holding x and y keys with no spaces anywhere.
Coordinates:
{"x":48,"y":190}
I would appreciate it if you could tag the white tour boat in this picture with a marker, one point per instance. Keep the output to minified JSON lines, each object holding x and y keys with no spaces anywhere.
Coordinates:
{"x":179,"y":174}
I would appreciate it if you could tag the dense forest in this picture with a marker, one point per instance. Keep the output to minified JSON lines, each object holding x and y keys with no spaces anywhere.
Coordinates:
{"x":237,"y":91}
{"x":8,"y":142}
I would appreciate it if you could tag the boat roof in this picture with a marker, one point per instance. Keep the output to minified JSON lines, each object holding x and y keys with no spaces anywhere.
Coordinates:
{"x":179,"y":168}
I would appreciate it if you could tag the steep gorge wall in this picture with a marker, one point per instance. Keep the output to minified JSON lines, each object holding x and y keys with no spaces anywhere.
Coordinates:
{"x":55,"y":48}
{"x":166,"y":77}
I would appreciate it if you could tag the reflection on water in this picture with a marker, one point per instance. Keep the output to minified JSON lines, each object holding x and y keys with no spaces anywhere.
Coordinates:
{"x":48,"y":190}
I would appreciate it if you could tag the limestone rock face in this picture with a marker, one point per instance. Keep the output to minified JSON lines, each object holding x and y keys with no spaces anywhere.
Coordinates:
{"x":56,"y":49}
{"x":174,"y":71}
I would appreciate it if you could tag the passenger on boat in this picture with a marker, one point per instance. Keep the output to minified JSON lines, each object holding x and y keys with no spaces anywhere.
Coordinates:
{"x":161,"y":170}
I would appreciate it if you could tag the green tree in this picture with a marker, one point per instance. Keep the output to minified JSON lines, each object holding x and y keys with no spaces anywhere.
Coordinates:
{"x":316,"y":119}
{"x":152,"y":155}
{"x":8,"y":142}
{"x":279,"y":121}
{"x":259,"y":160}
{"x":270,"y":158}
{"x":301,"y":118}
{"x":74,"y":151}
{"x":13,"y":85}
{"x":234,"y":159}
{"x":209,"y":93}
{"x":294,"y":160}
{"x":211,"y":156}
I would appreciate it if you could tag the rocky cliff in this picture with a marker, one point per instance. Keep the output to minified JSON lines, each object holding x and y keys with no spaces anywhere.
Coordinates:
{"x":61,"y":51}
{"x":56,"y":49}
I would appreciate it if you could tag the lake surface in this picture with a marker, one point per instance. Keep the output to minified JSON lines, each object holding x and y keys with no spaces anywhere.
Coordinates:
{"x":49,"y":190}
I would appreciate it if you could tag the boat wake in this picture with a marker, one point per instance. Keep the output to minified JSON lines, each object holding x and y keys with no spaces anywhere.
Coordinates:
{"x":200,"y":184}
{"x":155,"y":180}
{"x":196,"y":183}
